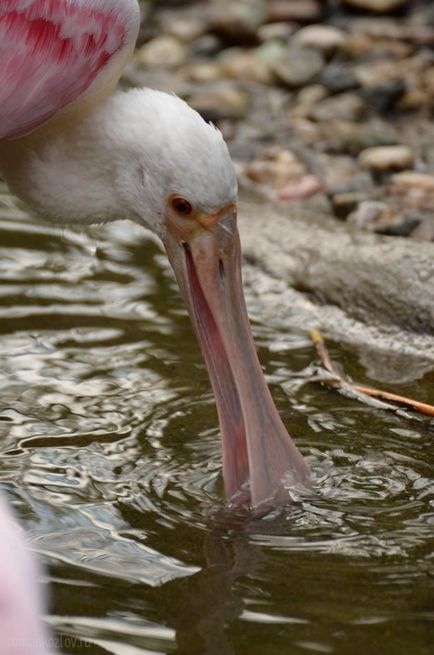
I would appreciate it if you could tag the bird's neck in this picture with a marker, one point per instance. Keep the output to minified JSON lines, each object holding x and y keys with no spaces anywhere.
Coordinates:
{"x":65,"y":171}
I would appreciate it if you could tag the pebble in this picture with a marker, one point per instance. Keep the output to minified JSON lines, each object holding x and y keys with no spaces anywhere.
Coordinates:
{"x":243,"y":65}
{"x":307,"y":99}
{"x":302,"y":11}
{"x":162,"y":52}
{"x":379,"y":6}
{"x":237,"y":24}
{"x":414,"y":180}
{"x":347,"y":202}
{"x":384,"y":158}
{"x":342,"y":174}
{"x":323,"y":37}
{"x":301,"y":189}
{"x":344,"y":107}
{"x":353,"y":137}
{"x":339,"y":78}
{"x":207,"y":45}
{"x":424,"y":231}
{"x":414,"y":190}
{"x":384,"y":97}
{"x":206,"y":72}
{"x":298,"y":66}
{"x":223,"y":102}
{"x":325,"y":89}
{"x":185,"y":29}
{"x":368,"y":212}
{"x":276,"y":31}
{"x":276,"y":168}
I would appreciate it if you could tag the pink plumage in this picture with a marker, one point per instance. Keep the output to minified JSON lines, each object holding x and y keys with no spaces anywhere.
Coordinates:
{"x":52,"y":51}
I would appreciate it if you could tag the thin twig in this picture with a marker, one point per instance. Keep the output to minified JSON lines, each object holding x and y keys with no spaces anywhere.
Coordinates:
{"x":340,"y":381}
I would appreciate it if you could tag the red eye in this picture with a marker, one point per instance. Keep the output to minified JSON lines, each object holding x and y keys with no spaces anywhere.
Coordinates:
{"x":182,"y":206}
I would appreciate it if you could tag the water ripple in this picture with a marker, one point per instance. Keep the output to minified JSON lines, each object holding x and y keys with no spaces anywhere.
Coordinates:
{"x":110,"y":451}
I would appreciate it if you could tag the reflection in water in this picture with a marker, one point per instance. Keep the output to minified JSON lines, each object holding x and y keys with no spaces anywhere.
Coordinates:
{"x":206,"y":603}
{"x":110,"y":451}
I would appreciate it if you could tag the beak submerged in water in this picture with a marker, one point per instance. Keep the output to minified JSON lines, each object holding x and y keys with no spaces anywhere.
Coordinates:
{"x":260,"y":461}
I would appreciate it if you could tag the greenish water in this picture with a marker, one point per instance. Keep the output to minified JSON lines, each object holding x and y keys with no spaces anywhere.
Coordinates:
{"x":110,"y":453}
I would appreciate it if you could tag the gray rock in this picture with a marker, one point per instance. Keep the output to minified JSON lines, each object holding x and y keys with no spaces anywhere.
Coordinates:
{"x":184,"y":28}
{"x":344,"y":107}
{"x":355,"y":137}
{"x":298,"y":66}
{"x":383,"y":97}
{"x":424,"y":231}
{"x":339,"y":78}
{"x":322,"y":37}
{"x":307,"y":98}
{"x":385,"y":284}
{"x":367,"y":213}
{"x":236,"y":23}
{"x":348,"y":201}
{"x":414,"y":190}
{"x":162,"y":52}
{"x":206,"y":46}
{"x":224,"y":101}
{"x":245,"y":65}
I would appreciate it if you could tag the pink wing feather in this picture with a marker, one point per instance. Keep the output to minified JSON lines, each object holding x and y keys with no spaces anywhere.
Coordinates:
{"x":52,"y":51}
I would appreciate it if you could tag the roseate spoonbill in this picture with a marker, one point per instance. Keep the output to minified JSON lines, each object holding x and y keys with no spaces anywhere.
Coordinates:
{"x":21,"y":599}
{"x":77,"y":152}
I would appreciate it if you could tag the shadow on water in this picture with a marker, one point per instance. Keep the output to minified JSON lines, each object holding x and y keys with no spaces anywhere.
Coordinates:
{"x":110,"y":451}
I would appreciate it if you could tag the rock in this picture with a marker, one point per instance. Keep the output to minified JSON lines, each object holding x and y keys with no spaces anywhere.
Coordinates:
{"x":399,"y":225}
{"x":384,"y":158}
{"x":414,"y":190}
{"x":246,"y":66}
{"x":301,"y":11}
{"x":298,"y":66}
{"x":347,"y":202}
{"x":378,"y":6}
{"x":301,"y":188}
{"x":378,"y":73}
{"x":307,"y":133}
{"x":276,"y":31}
{"x":270,"y":52}
{"x":383,"y":97}
{"x":414,"y":180}
{"x":354,"y":137}
{"x":185,"y":29}
{"x":162,"y":52}
{"x":307,"y":99}
{"x":424,"y":231}
{"x":221,"y":102}
{"x":344,"y":107}
{"x":237,"y":24}
{"x":276,"y":168}
{"x":357,"y":45}
{"x":339,"y":78}
{"x":383,"y":218}
{"x":385,"y":282}
{"x":368,"y":212}
{"x":323,"y":37}
{"x":343,"y":175}
{"x":206,"y":46}
{"x":206,"y":72}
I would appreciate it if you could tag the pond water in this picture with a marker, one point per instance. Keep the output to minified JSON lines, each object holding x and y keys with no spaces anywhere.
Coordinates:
{"x":110,"y":453}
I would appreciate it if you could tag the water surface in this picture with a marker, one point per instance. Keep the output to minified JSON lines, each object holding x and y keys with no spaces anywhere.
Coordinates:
{"x":110,"y":453}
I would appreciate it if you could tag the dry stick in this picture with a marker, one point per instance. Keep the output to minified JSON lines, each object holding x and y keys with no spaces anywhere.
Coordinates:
{"x":340,"y":381}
